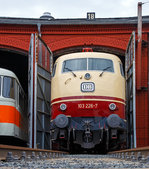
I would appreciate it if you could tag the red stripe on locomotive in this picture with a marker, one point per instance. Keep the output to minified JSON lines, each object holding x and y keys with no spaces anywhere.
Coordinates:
{"x":88,"y":108}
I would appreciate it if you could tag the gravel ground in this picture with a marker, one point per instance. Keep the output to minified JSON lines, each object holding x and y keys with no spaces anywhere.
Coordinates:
{"x":74,"y":161}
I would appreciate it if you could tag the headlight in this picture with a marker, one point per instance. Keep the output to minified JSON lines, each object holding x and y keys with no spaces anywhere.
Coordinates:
{"x":63,"y":107}
{"x":87,"y":76}
{"x":61,"y":121}
{"x":112,"y":106}
{"x":114,"y":121}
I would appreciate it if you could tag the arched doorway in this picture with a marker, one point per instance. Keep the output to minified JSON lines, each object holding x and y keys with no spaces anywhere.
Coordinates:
{"x":119,"y":52}
{"x":16,"y":62}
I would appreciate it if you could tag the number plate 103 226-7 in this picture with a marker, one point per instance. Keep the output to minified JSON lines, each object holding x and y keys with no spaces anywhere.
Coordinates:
{"x":87,"y":106}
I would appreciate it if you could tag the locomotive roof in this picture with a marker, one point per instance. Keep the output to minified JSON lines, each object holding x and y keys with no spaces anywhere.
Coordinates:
{"x":88,"y":55}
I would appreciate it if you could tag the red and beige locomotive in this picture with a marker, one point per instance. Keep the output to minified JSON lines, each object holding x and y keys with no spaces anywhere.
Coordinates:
{"x":88,"y":102}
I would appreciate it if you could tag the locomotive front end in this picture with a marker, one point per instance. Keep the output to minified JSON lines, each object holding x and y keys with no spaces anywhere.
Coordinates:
{"x":88,"y":102}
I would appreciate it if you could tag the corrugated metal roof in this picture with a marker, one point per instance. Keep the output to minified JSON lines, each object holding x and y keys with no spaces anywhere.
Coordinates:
{"x":77,"y":21}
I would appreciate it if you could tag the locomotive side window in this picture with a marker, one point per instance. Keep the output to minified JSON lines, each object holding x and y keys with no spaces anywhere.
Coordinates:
{"x":75,"y":65}
{"x":121,"y":70}
{"x":54,"y":70}
{"x":100,"y":64}
{"x":9,"y":87}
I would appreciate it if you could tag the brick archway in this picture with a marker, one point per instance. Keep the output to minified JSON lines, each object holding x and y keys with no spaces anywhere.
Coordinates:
{"x":22,"y":43}
{"x":110,"y":42}
{"x":14,"y":43}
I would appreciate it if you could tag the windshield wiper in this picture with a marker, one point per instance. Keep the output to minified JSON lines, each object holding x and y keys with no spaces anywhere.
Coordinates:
{"x":70,"y":71}
{"x":104,"y":70}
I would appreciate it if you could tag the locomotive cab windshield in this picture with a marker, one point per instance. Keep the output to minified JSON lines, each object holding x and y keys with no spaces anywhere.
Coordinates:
{"x":83,"y":64}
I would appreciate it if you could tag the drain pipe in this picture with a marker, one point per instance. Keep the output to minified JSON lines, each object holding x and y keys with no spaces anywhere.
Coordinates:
{"x":39,"y":29}
{"x":139,"y":48}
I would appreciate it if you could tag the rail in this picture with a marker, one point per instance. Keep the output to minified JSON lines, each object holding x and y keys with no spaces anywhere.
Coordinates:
{"x":136,"y":154}
{"x":10,"y":153}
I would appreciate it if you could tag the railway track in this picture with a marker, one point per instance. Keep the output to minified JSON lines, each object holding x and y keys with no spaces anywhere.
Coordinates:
{"x":18,"y":157}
